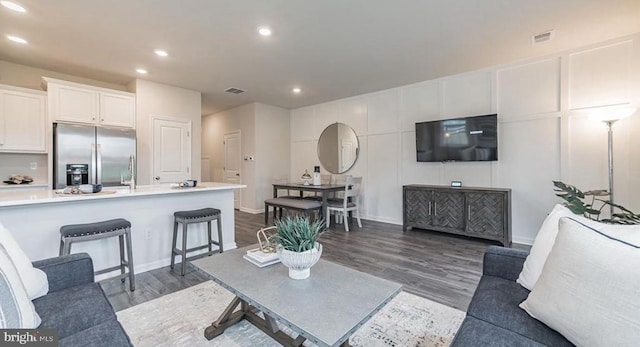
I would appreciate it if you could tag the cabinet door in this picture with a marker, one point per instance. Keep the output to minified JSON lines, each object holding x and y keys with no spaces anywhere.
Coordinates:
{"x":23,"y":122}
{"x":448,"y":210}
{"x":117,"y":110}
{"x":418,"y":207}
{"x":485,"y":214}
{"x":74,"y":104}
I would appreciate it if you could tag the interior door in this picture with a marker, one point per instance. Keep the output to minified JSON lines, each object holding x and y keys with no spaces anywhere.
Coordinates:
{"x":232,"y":164}
{"x":171,"y":150}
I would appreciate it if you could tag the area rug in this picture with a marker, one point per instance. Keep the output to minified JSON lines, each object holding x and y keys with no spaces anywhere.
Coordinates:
{"x":179,"y":319}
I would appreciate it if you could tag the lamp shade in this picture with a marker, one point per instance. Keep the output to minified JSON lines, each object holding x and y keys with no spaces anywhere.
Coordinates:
{"x":611,"y":113}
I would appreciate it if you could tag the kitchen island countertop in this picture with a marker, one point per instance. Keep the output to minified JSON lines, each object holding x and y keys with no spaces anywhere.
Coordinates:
{"x":19,"y":198}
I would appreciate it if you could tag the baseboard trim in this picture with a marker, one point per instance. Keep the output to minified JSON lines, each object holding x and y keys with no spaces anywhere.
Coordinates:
{"x":522,"y":240}
{"x":252,"y":211}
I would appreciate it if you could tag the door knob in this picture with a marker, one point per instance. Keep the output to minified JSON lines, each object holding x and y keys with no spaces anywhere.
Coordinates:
{"x":157,"y":178}
{"x":237,"y":174}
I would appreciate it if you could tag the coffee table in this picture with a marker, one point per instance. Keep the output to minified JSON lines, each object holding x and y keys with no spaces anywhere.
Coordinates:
{"x":326,"y":309}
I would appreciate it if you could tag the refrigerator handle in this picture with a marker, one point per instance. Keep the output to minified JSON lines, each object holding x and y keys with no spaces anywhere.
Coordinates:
{"x":92,"y":179}
{"x":99,"y":164}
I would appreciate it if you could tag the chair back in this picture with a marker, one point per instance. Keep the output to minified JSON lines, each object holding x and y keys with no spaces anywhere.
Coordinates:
{"x":352,"y":189}
{"x":325,"y":179}
{"x":282,"y":180}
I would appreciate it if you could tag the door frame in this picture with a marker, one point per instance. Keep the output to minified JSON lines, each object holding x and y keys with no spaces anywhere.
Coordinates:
{"x":152,"y":120}
{"x":224,"y":160}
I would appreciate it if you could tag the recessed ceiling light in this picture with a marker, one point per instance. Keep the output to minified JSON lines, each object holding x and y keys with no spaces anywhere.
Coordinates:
{"x":161,"y":53}
{"x":13,"y":6}
{"x":264,"y":31}
{"x":141,"y":71}
{"x":296,"y":90}
{"x":17,"y":39}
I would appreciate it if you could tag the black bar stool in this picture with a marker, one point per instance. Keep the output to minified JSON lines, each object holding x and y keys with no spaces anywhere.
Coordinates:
{"x":101,"y":230}
{"x":191,"y":217}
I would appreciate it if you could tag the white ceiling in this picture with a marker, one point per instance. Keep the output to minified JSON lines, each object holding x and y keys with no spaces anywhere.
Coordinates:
{"x":330,"y":48}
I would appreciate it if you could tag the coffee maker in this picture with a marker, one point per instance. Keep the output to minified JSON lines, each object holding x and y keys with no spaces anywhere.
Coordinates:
{"x":77,"y":174}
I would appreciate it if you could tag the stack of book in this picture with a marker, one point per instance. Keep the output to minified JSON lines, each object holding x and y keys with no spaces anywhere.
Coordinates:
{"x":261,"y":259}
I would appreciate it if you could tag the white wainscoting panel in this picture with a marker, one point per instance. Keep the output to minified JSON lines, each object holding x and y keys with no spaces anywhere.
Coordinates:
{"x":419,"y":103}
{"x":382,"y":112}
{"x":466,"y":95}
{"x":302,"y":124}
{"x":384,"y":192}
{"x":472,"y":174}
{"x":412,"y":171}
{"x":529,"y":89}
{"x":587,"y":162}
{"x":304,"y":157}
{"x":326,"y":114}
{"x":354,"y":113}
{"x":529,"y":162}
{"x":600,"y":76}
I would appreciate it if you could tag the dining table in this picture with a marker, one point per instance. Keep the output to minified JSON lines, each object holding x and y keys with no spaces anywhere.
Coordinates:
{"x":325,"y":190}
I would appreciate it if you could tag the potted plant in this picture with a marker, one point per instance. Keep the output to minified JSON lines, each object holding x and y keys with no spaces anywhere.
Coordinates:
{"x":297,"y":247}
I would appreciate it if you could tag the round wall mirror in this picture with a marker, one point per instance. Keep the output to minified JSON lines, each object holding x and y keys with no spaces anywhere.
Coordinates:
{"x":338,"y":148}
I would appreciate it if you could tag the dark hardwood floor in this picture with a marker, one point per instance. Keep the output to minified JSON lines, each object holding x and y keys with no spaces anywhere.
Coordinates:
{"x":437,"y":266}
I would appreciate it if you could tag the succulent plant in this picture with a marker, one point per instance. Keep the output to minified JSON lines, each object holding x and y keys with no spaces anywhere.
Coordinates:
{"x":298,"y":234}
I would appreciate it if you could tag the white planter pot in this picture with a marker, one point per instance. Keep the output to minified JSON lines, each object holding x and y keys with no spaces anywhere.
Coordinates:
{"x":300,"y":263}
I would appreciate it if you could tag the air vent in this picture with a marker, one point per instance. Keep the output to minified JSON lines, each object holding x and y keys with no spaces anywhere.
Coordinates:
{"x":543,"y":37}
{"x":234,"y":91}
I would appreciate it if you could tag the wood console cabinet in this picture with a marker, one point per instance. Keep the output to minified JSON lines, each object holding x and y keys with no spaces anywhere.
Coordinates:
{"x":476,"y":212}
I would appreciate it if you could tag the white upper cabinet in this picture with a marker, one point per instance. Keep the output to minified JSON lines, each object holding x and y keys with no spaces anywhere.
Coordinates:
{"x":78,"y":103}
{"x":22,"y":120}
{"x":117,"y":110}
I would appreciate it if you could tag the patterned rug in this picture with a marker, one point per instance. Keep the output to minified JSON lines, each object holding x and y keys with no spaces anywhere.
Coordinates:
{"x":179,"y":319}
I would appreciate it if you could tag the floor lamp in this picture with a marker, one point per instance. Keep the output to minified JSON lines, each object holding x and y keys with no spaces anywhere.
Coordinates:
{"x":609,"y":116}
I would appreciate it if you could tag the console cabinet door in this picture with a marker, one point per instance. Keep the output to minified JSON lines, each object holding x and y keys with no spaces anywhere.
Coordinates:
{"x":418,"y":209}
{"x":448,"y":209}
{"x":23,"y":122}
{"x":73,"y":104}
{"x":485,"y":215}
{"x":117,"y":110}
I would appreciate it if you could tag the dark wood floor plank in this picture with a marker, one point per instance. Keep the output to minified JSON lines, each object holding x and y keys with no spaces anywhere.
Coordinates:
{"x":441,"y":267}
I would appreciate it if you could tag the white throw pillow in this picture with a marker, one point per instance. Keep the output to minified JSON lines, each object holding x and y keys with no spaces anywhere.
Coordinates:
{"x":16,"y":310}
{"x":589,"y":289}
{"x":35,"y":280}
{"x":547,"y":235}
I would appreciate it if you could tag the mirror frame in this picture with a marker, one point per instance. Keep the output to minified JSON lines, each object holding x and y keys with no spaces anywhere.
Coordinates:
{"x":357,"y":154}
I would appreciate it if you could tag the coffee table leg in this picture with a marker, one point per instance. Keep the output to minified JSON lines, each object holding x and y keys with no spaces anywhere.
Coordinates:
{"x":345,"y":344}
{"x":226,"y":319}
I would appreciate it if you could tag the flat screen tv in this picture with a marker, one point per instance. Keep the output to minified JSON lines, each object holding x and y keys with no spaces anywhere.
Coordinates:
{"x":459,"y":139}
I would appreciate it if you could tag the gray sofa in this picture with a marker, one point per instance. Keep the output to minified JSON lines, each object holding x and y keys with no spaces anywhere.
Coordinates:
{"x":494,"y":318}
{"x":76,"y":306}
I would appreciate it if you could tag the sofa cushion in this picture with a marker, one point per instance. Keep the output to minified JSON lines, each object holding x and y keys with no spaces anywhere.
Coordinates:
{"x":589,"y":288}
{"x":16,"y":309}
{"x":34,"y":280}
{"x":496,"y":301}
{"x":74,"y":309}
{"x":106,"y":334}
{"x":475,"y":332}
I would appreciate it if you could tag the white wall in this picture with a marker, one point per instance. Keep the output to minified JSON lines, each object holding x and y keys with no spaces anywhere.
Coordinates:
{"x":545,"y":133}
{"x":272,"y":150}
{"x":155,"y":99}
{"x":31,"y":77}
{"x":264,"y":136}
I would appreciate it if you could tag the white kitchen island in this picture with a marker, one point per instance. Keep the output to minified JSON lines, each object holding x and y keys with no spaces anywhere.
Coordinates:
{"x":35,"y":217}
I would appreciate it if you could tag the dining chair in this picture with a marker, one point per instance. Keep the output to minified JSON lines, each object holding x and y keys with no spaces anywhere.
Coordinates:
{"x":350,"y":202}
{"x":338,"y":196}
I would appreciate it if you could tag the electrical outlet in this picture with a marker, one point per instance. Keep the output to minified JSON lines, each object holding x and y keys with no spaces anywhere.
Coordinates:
{"x":33,"y":165}
{"x":147,"y":234}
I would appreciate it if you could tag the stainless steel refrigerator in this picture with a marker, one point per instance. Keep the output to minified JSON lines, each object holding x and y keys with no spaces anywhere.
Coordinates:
{"x":92,"y":155}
